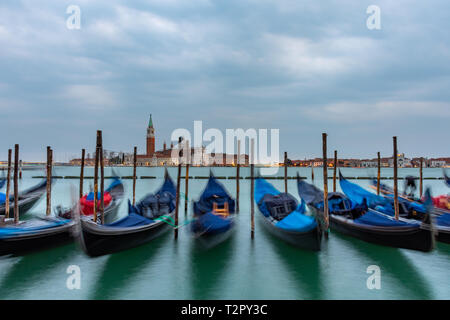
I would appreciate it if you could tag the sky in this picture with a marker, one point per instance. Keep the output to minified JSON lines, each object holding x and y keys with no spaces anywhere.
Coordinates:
{"x":304,"y":67}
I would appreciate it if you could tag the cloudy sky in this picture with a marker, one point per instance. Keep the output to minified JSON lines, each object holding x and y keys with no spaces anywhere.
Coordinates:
{"x":303,"y":66}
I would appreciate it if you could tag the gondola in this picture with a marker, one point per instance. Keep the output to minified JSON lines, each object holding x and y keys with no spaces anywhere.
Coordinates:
{"x":144,"y":222}
{"x":27,"y":199}
{"x":115,"y":193}
{"x":285,"y":218}
{"x":214,"y":214}
{"x":408,"y":210}
{"x":34,"y":235}
{"x":414,"y":205}
{"x":356,"y":219}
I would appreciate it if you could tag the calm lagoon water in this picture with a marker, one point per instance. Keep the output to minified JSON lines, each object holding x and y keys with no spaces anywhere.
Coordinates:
{"x":265,"y":268}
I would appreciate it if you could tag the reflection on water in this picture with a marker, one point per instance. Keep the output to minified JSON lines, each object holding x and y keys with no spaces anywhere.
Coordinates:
{"x":303,"y":265}
{"x":394,"y":262}
{"x":209,"y":268}
{"x":33,"y":267}
{"x":122,"y":267}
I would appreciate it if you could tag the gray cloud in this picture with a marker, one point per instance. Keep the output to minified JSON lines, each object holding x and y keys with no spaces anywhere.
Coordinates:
{"x":302,"y":66}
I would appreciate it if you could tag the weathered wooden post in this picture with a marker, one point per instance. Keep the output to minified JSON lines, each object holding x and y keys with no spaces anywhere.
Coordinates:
{"x":421,"y":177}
{"x":379,"y":174}
{"x":8,"y":185}
{"x":325,"y":182}
{"x":16,"y":184}
{"x":102,"y":182}
{"x":285,"y":172}
{"x":335,"y":170}
{"x":312,"y":172}
{"x":97,"y":158}
{"x":20,"y":169}
{"x":49,"y":178}
{"x":238,"y":167}
{"x":83,"y":152}
{"x":396,"y":207}
{"x":134,"y":174}
{"x":186,"y":179}
{"x":252,"y":187}
{"x":177,"y":203}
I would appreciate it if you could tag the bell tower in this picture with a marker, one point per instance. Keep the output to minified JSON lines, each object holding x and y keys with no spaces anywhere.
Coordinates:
{"x":150,"y":138}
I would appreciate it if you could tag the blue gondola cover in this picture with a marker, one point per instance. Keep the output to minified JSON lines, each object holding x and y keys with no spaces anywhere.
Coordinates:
{"x":214,"y":192}
{"x":132,"y":220}
{"x":211,"y":224}
{"x":30,"y":226}
{"x":374,"y":218}
{"x":358,"y":194}
{"x":297,"y":221}
{"x":443,"y":220}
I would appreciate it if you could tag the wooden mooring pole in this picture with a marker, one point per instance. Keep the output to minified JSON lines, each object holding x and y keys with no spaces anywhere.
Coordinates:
{"x":285,"y":172}
{"x":8,"y":185}
{"x":396,"y":207}
{"x":335,"y":164}
{"x":379,"y":173}
{"x":421,"y":178}
{"x":16,"y":184}
{"x":83,"y":152}
{"x":134,"y":175}
{"x":20,"y":169}
{"x":238,"y":168}
{"x":177,"y":203}
{"x":252,"y":187}
{"x":97,"y":158}
{"x":49,"y":181}
{"x":186,"y":178}
{"x":325,"y":182}
{"x":102,"y":182}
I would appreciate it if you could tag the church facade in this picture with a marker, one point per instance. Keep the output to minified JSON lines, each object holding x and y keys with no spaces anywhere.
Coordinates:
{"x":198,"y":155}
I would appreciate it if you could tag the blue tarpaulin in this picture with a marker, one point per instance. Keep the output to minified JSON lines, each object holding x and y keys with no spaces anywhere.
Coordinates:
{"x":30,"y":226}
{"x":297,"y":221}
{"x":211,"y":223}
{"x":214,"y":193}
{"x":132,"y":220}
{"x":374,"y":218}
{"x":443,"y":220}
{"x":90,"y":196}
{"x":358,"y":194}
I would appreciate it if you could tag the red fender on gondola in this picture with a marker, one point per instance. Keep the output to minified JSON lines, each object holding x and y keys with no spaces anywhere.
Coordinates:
{"x":442,"y":202}
{"x":87,"y":206}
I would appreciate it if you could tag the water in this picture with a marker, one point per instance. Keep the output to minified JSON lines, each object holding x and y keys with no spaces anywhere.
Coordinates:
{"x":265,"y":268}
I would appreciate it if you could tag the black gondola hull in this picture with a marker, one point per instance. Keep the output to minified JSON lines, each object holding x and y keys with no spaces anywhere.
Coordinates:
{"x":443,"y":235}
{"x":38,"y":241}
{"x":420,"y":239}
{"x":310,"y":240}
{"x":97,"y":242}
